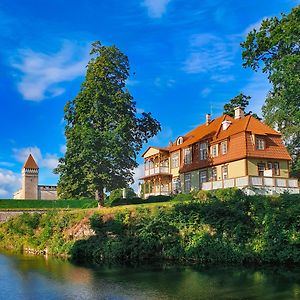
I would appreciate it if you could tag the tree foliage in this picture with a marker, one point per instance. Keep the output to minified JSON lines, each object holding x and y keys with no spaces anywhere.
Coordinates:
{"x":275,"y":48}
{"x":103,"y":132}
{"x":241,"y":101}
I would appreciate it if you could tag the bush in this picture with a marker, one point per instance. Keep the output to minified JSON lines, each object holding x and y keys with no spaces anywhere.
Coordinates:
{"x":183,"y":197}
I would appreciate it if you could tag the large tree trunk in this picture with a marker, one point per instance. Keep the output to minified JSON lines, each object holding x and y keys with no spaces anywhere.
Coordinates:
{"x":99,"y":195}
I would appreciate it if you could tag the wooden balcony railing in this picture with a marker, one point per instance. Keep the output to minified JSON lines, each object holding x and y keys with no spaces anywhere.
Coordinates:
{"x":157,"y":170}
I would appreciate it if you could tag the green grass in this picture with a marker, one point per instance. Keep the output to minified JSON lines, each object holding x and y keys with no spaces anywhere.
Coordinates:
{"x":8,"y":204}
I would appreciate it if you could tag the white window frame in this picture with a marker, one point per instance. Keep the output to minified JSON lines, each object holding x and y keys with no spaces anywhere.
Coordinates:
{"x":224,"y":172}
{"x":175,"y":160}
{"x":203,"y":150}
{"x":214,"y":150}
{"x":276,"y":169}
{"x":214,"y":174}
{"x":203,"y":175}
{"x":260,"y":143}
{"x":187,"y":182}
{"x":224,"y":147}
{"x":187,"y":155}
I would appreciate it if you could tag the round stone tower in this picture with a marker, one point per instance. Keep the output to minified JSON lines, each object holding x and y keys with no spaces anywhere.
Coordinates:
{"x":30,"y":179}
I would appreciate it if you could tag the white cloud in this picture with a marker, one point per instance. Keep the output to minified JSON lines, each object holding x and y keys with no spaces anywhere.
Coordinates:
{"x":63,"y":149}
{"x":223,"y":78}
{"x":48,"y":160}
{"x":205,"y":92}
{"x":140,"y":110}
{"x":210,"y":53}
{"x":9,"y":183}
{"x":137,"y":173}
{"x":41,"y":74}
{"x":255,"y":25}
{"x":156,"y":8}
{"x":164,"y":82}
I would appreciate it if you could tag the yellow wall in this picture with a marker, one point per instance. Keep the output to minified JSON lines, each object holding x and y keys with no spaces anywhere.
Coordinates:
{"x":150,"y":152}
{"x":237,"y":168}
{"x":283,"y":165}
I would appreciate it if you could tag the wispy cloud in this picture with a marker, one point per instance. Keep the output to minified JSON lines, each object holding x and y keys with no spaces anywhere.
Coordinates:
{"x":40,"y":75}
{"x":156,"y":8}
{"x":210,"y":53}
{"x":255,"y":25}
{"x":9,"y":183}
{"x":223,"y":78}
{"x":48,"y":160}
{"x":205,"y":92}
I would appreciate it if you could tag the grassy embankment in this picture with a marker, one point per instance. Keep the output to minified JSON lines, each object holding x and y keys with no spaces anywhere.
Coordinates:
{"x":9,"y":204}
{"x":224,"y":227}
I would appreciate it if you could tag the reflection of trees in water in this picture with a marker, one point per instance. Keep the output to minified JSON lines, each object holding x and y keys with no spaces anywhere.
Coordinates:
{"x":30,"y":276}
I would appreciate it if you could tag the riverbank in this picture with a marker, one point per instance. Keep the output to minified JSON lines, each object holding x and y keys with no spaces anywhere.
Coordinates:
{"x":224,"y":228}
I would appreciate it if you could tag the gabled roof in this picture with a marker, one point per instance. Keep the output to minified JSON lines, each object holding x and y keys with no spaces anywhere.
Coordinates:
{"x":157,"y":148}
{"x":30,"y":163}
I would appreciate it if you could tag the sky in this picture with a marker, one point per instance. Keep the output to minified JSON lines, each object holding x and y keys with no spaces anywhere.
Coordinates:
{"x":185,"y":60}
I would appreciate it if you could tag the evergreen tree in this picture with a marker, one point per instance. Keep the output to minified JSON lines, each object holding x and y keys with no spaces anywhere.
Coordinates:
{"x":103,"y":132}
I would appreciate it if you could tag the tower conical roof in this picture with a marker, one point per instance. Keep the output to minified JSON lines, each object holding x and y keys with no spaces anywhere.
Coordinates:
{"x":30,"y":163}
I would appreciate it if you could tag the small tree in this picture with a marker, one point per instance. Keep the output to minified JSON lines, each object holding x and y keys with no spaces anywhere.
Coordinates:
{"x":241,"y":101}
{"x":103,"y":132}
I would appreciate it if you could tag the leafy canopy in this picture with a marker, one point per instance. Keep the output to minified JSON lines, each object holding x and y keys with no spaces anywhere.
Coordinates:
{"x":241,"y":101}
{"x":103,"y":132}
{"x":275,"y":48}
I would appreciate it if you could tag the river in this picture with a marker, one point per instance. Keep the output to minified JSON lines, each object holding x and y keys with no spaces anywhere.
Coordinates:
{"x":31,"y":277}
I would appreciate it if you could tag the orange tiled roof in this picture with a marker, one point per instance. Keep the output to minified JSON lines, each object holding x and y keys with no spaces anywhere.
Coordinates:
{"x":242,"y":130}
{"x":30,"y":163}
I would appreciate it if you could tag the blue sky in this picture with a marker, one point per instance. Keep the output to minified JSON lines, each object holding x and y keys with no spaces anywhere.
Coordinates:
{"x":185,"y":62}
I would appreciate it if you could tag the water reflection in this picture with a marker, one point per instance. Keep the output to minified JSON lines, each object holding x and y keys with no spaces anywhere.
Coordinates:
{"x":30,"y":277}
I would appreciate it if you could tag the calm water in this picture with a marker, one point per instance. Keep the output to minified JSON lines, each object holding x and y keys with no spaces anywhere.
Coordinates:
{"x":29,"y":277}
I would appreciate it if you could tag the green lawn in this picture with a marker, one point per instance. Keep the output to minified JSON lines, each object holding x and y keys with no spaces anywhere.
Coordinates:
{"x":9,"y":204}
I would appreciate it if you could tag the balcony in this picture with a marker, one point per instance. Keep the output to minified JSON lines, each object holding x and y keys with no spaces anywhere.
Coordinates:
{"x":260,"y":185}
{"x":157,"y":170}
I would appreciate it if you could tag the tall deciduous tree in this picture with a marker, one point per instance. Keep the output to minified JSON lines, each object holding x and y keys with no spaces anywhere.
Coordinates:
{"x":276,"y":48}
{"x":103,"y":132}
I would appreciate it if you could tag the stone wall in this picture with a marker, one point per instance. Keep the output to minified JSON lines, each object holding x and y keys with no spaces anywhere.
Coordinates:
{"x":5,"y":215}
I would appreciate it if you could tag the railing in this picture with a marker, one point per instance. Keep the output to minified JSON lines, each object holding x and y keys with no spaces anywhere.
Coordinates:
{"x":157,"y":170}
{"x":252,"y":181}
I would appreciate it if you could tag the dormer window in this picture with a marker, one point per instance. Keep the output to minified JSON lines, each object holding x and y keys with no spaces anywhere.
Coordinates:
{"x":179,"y":140}
{"x":260,"y":143}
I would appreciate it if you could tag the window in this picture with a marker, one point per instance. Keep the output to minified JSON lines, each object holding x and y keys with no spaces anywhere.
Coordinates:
{"x":214,"y":176}
{"x":224,"y":172}
{"x":175,"y":160}
{"x":214,"y":150}
{"x":179,"y":140}
{"x":146,"y":165}
{"x":203,"y":176}
{"x":151,"y":164}
{"x":176,"y":185}
{"x":261,"y":169}
{"x":188,"y":155}
{"x":276,"y":169}
{"x":187,"y":182}
{"x":224,"y":147}
{"x":260,"y":143}
{"x":203,"y":151}
{"x":269,"y":165}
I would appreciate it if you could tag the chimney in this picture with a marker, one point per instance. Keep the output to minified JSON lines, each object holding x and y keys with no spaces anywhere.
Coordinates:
{"x":207,"y":119}
{"x":238,"y":113}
